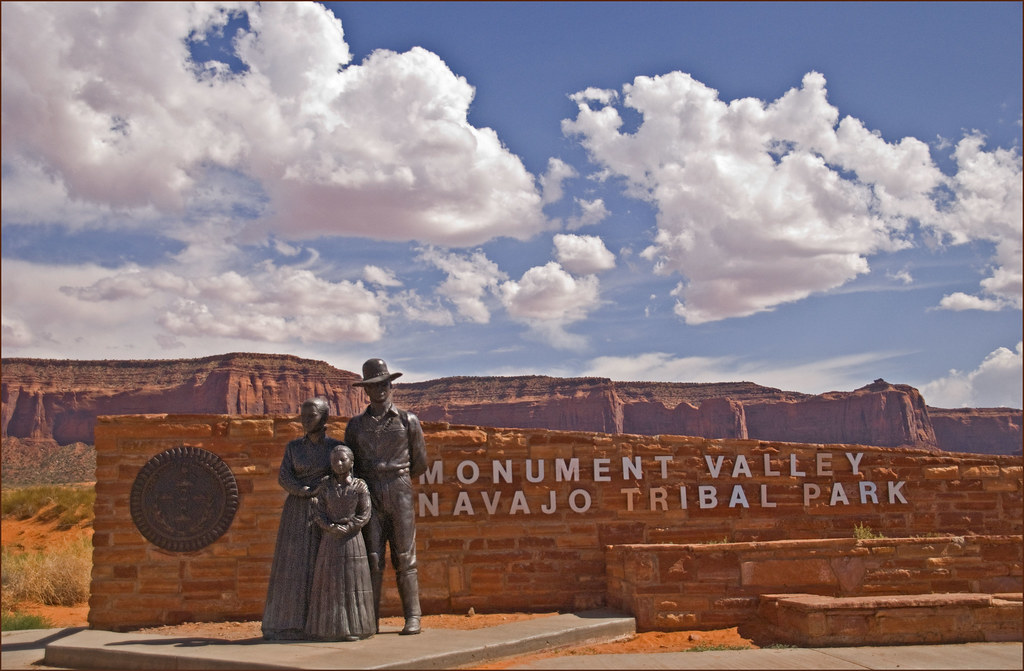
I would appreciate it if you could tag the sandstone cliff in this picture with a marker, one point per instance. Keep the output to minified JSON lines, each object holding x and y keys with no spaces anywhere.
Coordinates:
{"x":878,"y":414}
{"x":588,"y":404}
{"x":57,"y":402}
{"x":60,"y":399}
{"x":978,"y":430}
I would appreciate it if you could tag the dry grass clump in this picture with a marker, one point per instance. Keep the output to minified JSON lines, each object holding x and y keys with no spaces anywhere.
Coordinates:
{"x":57,"y":577}
{"x":67,"y":504}
{"x":862,"y":532}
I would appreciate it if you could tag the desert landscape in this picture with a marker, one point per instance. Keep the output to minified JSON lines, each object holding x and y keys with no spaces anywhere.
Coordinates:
{"x":50,"y":409}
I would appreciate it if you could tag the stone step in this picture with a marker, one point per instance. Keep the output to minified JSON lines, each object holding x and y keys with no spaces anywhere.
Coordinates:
{"x":892,"y":619}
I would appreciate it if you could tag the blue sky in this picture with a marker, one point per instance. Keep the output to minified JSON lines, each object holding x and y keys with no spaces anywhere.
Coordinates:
{"x":804,"y":195}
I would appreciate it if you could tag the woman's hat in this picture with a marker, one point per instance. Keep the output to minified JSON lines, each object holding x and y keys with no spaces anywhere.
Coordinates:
{"x":374,"y":371}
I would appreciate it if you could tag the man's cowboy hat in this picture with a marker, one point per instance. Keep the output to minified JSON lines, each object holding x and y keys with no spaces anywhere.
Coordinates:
{"x":374,"y":371}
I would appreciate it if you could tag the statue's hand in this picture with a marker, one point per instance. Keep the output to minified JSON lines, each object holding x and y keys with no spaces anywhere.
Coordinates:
{"x":340,"y":529}
{"x":318,"y":488}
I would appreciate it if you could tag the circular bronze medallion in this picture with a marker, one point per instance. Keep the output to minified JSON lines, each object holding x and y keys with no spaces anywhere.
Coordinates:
{"x":183,"y":499}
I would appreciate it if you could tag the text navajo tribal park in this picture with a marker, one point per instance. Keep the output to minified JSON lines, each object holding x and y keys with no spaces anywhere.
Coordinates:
{"x":632,"y":470}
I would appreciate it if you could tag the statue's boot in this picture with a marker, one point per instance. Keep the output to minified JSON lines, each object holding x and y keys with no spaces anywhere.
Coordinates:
{"x":409,"y":590}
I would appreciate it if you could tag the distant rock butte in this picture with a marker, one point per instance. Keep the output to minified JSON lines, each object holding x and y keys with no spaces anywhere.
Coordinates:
{"x":879,"y":414}
{"x":978,"y":430}
{"x":589,"y":404}
{"x":59,"y":400}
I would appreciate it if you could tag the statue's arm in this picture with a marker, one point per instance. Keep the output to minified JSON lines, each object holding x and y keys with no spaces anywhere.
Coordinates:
{"x":348,"y":525}
{"x":286,"y":477}
{"x":363,"y":507}
{"x":417,"y":447}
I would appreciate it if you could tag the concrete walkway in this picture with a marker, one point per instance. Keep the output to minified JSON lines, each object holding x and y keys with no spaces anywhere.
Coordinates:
{"x":79,"y":648}
{"x":953,"y":656}
{"x":433,"y":649}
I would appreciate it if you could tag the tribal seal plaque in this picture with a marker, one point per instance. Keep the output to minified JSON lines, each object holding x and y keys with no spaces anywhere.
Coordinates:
{"x":183,"y":499}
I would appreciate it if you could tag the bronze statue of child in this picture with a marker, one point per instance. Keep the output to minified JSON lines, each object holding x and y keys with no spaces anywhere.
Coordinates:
{"x":341,"y":606}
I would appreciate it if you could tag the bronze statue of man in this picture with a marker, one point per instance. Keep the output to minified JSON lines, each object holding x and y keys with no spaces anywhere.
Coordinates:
{"x":389,"y":451}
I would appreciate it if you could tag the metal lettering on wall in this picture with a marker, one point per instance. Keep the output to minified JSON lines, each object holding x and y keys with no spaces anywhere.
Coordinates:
{"x":184,"y":499}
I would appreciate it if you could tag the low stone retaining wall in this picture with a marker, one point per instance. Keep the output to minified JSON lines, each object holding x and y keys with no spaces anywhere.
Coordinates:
{"x":520,"y":519}
{"x":811,"y":620}
{"x":678,"y":587}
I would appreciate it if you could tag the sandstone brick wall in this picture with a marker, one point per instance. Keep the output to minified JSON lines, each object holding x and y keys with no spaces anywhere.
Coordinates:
{"x":683,"y":587}
{"x":519,"y":519}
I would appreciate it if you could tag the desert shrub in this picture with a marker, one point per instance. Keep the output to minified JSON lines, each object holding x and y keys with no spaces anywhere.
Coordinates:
{"x":862,"y":531}
{"x":57,"y":577}
{"x":12,"y":621}
{"x":7,"y":601}
{"x":66,"y":503}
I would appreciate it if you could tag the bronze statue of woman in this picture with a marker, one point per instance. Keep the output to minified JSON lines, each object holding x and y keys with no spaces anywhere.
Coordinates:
{"x":305,"y":468}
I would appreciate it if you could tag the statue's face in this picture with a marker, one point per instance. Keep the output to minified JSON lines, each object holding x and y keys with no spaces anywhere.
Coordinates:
{"x":341,"y":462}
{"x":379,"y":392}
{"x":312,"y":417}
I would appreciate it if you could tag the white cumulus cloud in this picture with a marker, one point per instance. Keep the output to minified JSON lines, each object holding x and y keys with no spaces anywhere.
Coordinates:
{"x":105,"y":100}
{"x":549,"y":293}
{"x":996,"y":382}
{"x":760,"y":204}
{"x":16,"y":332}
{"x":469,"y":279}
{"x":583,"y":254}
{"x":273,"y":304}
{"x":591,"y":212}
{"x":551,"y":181}
{"x":548,"y":299}
{"x":988,"y":206}
{"x":380,"y":276}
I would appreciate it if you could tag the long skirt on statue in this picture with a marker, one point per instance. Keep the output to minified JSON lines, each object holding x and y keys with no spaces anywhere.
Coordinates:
{"x":306,"y":461}
{"x":341,"y":602}
{"x":291,"y":574}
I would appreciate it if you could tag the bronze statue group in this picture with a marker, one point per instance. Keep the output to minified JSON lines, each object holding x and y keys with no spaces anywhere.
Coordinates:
{"x":347,"y":500}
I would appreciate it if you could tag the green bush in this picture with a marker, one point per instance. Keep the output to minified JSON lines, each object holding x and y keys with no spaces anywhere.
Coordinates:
{"x":66,"y":503}
{"x":16,"y":621}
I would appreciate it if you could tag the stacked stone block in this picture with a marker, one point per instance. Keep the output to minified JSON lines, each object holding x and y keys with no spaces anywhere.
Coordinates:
{"x":496,"y":534}
{"x":679,"y":587}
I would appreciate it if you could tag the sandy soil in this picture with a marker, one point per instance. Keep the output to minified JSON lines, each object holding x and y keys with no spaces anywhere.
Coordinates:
{"x":36,"y":535}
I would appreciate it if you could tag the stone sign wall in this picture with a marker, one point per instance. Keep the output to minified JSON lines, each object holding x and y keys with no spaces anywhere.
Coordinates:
{"x":512,"y":519}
